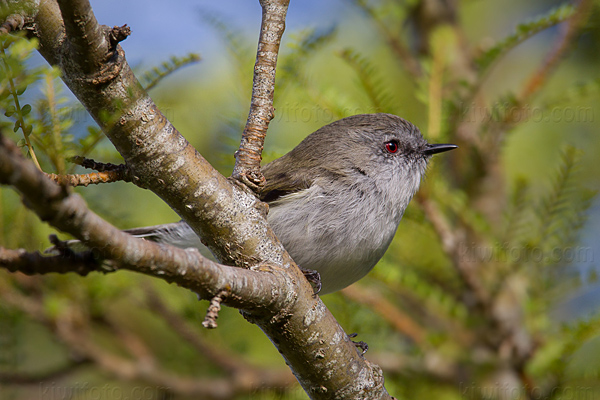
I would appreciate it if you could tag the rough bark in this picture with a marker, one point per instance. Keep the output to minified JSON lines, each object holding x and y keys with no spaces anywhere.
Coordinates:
{"x":226,"y":214}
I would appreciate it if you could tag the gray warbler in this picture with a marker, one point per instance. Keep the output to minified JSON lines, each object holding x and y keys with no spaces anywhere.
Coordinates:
{"x":336,"y":200}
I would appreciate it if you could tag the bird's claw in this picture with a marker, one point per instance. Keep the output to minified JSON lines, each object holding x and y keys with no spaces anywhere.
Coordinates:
{"x":314,"y":278}
{"x":361,"y":345}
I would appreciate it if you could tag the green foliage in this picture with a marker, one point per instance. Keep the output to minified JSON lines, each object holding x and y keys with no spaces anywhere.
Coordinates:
{"x":517,"y":215}
{"x":552,"y":220}
{"x":15,"y":80}
{"x":562,"y":212}
{"x":47,"y":125}
{"x":53,"y":122}
{"x":523,"y":32}
{"x":574,"y":93}
{"x":368,"y":76}
{"x":424,"y":275}
{"x":303,"y":46}
{"x":151,"y":78}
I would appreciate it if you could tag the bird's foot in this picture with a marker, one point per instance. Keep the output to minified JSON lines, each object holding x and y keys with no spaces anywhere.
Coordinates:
{"x":361,"y":345}
{"x":314,"y":278}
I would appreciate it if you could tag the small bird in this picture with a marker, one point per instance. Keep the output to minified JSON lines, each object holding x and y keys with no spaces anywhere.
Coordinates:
{"x":336,"y":200}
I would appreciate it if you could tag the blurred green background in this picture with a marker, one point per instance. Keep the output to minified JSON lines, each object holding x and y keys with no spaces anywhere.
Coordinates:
{"x":523,"y":180}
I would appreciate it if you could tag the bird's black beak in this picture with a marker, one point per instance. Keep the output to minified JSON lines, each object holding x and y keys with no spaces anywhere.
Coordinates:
{"x":438,"y":148}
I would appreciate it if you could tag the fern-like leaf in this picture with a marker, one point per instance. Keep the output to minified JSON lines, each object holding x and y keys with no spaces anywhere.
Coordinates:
{"x":562,"y":212}
{"x":306,"y":44}
{"x":436,"y":301}
{"x":368,"y":76}
{"x":523,"y":32}
{"x":517,"y":217}
{"x":153,"y":77}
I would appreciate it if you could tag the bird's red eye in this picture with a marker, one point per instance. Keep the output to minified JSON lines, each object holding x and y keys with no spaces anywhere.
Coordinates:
{"x":392,"y":147}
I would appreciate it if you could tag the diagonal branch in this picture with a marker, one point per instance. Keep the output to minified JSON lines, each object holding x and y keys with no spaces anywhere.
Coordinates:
{"x":249,"y":155}
{"x":85,"y":35}
{"x":158,"y":156}
{"x":229,"y":219}
{"x":69,"y":213}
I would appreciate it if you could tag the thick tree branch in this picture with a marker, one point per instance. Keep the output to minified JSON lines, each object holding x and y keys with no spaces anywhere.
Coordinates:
{"x":227,"y":216}
{"x":249,"y":155}
{"x":69,"y":213}
{"x":85,"y":35}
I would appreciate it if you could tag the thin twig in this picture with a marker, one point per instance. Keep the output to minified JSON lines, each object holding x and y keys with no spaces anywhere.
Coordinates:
{"x":107,"y":173}
{"x":95,"y":165}
{"x":210,"y":320}
{"x":93,"y":178}
{"x":19,"y":112}
{"x":57,"y":144}
{"x":249,"y":155}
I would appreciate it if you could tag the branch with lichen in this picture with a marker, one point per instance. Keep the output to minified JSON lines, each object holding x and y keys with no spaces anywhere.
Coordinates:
{"x":249,"y":155}
{"x":107,"y":173}
{"x":229,"y":219}
{"x":51,"y":202}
